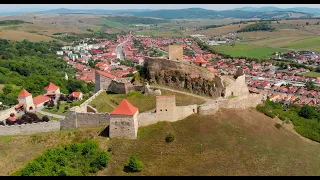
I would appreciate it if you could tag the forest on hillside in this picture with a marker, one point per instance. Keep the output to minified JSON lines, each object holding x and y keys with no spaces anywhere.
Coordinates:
{"x":260,"y":26}
{"x":32,"y":65}
{"x":136,"y":20}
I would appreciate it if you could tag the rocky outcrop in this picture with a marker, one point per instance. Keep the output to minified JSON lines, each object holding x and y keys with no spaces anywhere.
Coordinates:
{"x":182,"y":75}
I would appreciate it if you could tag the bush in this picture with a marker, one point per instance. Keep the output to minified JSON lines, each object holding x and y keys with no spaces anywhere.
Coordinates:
{"x":134,"y":164}
{"x":45,"y":119}
{"x":307,"y":112}
{"x":169,"y":137}
{"x":104,"y":159}
{"x":66,"y":108}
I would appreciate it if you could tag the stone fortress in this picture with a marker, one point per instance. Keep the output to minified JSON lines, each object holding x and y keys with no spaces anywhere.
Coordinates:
{"x":125,"y":119}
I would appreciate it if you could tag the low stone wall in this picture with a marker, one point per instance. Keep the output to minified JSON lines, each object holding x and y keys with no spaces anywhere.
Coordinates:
{"x":25,"y":129}
{"x":6,"y":113}
{"x":181,"y":112}
{"x":251,"y":100}
{"x":185,"y":111}
{"x":75,"y":120}
{"x":207,"y":109}
{"x":83,"y":106}
{"x":146,"y":119}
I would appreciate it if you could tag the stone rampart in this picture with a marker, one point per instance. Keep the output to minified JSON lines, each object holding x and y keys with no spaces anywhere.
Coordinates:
{"x":25,"y":129}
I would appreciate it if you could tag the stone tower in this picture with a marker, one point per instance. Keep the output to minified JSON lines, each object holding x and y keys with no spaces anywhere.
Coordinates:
{"x":166,"y":108}
{"x":124,"y":121}
{"x":175,"y":52}
{"x":25,"y":98}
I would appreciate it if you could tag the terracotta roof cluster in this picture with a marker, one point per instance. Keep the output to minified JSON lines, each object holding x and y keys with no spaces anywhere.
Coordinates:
{"x":106,"y":74}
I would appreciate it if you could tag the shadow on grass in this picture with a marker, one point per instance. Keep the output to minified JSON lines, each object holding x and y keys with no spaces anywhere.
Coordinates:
{"x":105,"y":132}
{"x":127,"y":169}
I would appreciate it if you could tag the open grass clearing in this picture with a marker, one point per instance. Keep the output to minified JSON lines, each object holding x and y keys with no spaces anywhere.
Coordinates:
{"x":107,"y":102}
{"x":240,"y":49}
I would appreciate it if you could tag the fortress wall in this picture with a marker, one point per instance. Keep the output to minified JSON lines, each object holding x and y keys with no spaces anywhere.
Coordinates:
{"x":25,"y":129}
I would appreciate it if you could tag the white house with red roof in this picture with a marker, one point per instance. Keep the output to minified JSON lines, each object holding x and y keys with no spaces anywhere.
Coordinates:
{"x":40,"y":101}
{"x":52,"y":90}
{"x":76,"y":95}
{"x":124,"y":121}
{"x":25,"y":100}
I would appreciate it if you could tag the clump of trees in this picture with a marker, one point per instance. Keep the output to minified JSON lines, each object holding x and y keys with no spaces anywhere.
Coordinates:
{"x":260,"y":26}
{"x":306,"y":119}
{"x":78,"y":159}
{"x":27,"y":118}
{"x":32,"y":65}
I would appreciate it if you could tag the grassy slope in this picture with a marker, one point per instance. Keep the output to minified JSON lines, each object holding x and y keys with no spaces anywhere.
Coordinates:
{"x":234,"y":142}
{"x":247,"y":50}
{"x":112,"y":23}
{"x":106,"y":103}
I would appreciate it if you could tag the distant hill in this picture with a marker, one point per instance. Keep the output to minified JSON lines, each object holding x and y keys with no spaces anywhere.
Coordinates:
{"x":136,"y":20}
{"x":271,"y":8}
{"x":246,"y":12}
{"x":205,"y":13}
{"x":92,"y":11}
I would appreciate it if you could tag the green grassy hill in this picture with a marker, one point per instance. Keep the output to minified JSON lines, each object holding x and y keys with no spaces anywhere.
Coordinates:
{"x":234,"y":142}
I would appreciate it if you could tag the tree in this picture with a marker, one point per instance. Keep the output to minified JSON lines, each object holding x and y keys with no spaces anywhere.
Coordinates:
{"x":307,"y":23}
{"x":310,"y":85}
{"x":134,"y":164}
{"x":307,"y":112}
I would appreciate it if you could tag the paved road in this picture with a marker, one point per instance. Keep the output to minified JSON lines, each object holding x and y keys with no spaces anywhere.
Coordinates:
{"x":49,"y":114}
{"x":208,"y":100}
{"x":119,"y":51}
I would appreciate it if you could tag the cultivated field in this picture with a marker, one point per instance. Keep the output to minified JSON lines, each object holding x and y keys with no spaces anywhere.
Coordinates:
{"x":222,"y":30}
{"x":247,"y":50}
{"x":21,"y":35}
{"x":288,"y":34}
{"x":107,"y":102}
{"x":234,"y":142}
{"x":312,"y":74}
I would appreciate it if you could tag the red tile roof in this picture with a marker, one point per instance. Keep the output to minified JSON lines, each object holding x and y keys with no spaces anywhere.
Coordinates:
{"x":40,"y":99}
{"x":124,"y":108}
{"x":24,"y":93}
{"x":103,"y":73}
{"x":75,"y":94}
{"x":51,"y":87}
{"x":199,"y":60}
{"x":13,"y":119}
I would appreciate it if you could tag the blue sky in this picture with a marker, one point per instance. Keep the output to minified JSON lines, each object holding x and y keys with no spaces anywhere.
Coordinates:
{"x":13,"y":7}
